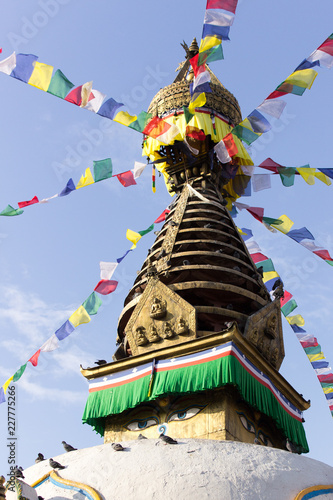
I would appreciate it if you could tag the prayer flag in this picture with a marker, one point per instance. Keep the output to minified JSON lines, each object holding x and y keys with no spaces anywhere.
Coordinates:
{"x":222,"y":152}
{"x":258,"y":122}
{"x":197,"y":68}
{"x":267,"y":265}
{"x":319,"y":364}
{"x":138,"y":169}
{"x":107,"y":269}
{"x":327,"y":379}
{"x":153,"y":178}
{"x":59,"y":85}
{"x":6,"y":384}
{"x":229,"y":5}
{"x":22,"y":204}
{"x":230,"y":145}
{"x":253,"y":247}
{"x":316,"y":357}
{"x":246,"y":134}
{"x":210,"y":55}
{"x":195,"y":133}
{"x":109,"y":108}
{"x":92,"y":304}
{"x":286,"y":225}
{"x":310,"y":343}
{"x":208,"y":43}
{"x":287,"y":176}
{"x":300,"y":234}
{"x":102,"y":169}
{"x":323,"y":254}
{"x":121,"y":258}
{"x":286,"y":296}
{"x":303,"y":78}
{"x":126,"y":178}
{"x":104,"y":287}
{"x":256,"y":212}
{"x":70,"y":186}
{"x":218,"y":17}
{"x":146,"y":231}
{"x":272,"y":107}
{"x":19,"y":373}
{"x":269,"y":276}
{"x":79,"y":317}
{"x":295,"y":320}
{"x":198,"y":102}
{"x":124,"y":118}
{"x":7,"y":65}
{"x":289,"y":307}
{"x":296,"y":328}
{"x":86,"y":94}
{"x":66,"y":329}
{"x":327,"y":171}
{"x":215,"y":31}
{"x":86,"y":179}
{"x":80,"y":95}
{"x":162,"y":217}
{"x":246,"y":233}
{"x":140,"y":123}
{"x":188,"y":115}
{"x":323,"y":178}
{"x":258,"y":258}
{"x":24,"y":67}
{"x":96,"y":102}
{"x":34,"y":359}
{"x":133,"y":237}
{"x":10,"y":211}
{"x":271,"y":165}
{"x":307,"y":174}
{"x":51,"y":344}
{"x":41,"y":76}
{"x":261,"y":182}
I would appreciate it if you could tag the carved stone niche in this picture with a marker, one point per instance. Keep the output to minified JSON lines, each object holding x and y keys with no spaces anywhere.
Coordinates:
{"x":160,"y":319}
{"x":264,"y":330}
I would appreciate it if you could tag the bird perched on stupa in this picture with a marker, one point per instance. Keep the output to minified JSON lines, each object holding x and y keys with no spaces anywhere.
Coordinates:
{"x":68,"y":447}
{"x":100,"y":362}
{"x":18,"y":472}
{"x":117,"y":447}
{"x":55,"y":465}
{"x":40,"y":458}
{"x":167,"y":439}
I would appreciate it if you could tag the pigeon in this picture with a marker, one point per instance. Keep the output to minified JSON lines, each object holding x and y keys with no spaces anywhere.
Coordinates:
{"x":278,"y":291}
{"x":117,"y":447}
{"x":230,"y":307}
{"x":219,"y":250}
{"x":167,"y":439}
{"x":40,"y":498}
{"x":208,"y":225}
{"x":18,"y":472}
{"x":141,"y":436}
{"x":100,"y":362}
{"x":172,"y":223}
{"x":186,"y":263}
{"x":237,"y":268}
{"x":236,"y":254}
{"x":256,"y":441}
{"x":161,"y":254}
{"x":39,"y":458}
{"x":261,"y":271}
{"x":156,"y":233}
{"x":55,"y":465}
{"x":68,"y":447}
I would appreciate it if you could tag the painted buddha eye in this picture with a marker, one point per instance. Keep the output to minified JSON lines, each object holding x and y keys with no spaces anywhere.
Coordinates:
{"x":139,"y":425}
{"x":265,"y":439}
{"x":247,"y":424}
{"x":185,"y":414}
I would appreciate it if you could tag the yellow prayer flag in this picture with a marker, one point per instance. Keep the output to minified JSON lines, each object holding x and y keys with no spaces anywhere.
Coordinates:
{"x":295,"y":320}
{"x":269,"y":276}
{"x":79,"y":317}
{"x":327,"y":390}
{"x":41,"y":76}
{"x":323,"y":178}
{"x":208,"y":43}
{"x":302,"y":78}
{"x":315,"y":357}
{"x":286,"y":225}
{"x":124,"y":118}
{"x":6,"y":384}
{"x":307,"y":174}
{"x":247,"y":124}
{"x":133,"y":237}
{"x":240,"y":231}
{"x":198,"y":102}
{"x":86,"y":179}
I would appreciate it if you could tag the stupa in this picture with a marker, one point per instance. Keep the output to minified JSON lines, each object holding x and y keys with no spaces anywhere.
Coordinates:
{"x":200,"y":338}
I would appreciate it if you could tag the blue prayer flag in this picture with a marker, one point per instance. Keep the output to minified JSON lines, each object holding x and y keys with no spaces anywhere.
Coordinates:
{"x":66,"y":329}
{"x":24,"y":67}
{"x":70,"y":186}
{"x":300,"y":234}
{"x":109,"y":108}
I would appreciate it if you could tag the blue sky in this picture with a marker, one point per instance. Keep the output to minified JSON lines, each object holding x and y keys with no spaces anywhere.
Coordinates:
{"x":49,"y":256}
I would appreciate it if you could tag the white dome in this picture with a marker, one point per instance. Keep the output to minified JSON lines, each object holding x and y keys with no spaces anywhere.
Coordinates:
{"x":192,"y":469}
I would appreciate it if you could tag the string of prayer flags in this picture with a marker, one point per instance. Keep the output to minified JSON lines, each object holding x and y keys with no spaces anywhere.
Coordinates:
{"x":88,"y":308}
{"x":308,"y":342}
{"x":153,"y":178}
{"x":301,"y":79}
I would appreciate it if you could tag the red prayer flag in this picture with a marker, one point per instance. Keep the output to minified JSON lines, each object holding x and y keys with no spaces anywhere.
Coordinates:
{"x":286,"y":297}
{"x":34,"y":200}
{"x":327,"y":379}
{"x":75,"y":96}
{"x":311,"y":343}
{"x":323,"y":254}
{"x":257,"y":212}
{"x":104,"y":287}
{"x":230,"y":145}
{"x":195,"y":133}
{"x":162,"y":217}
{"x":229,"y":5}
{"x":156,"y":127}
{"x":34,"y":359}
{"x":258,"y":257}
{"x":271,"y":165}
{"x":327,"y":46}
{"x":197,"y":69}
{"x":126,"y":178}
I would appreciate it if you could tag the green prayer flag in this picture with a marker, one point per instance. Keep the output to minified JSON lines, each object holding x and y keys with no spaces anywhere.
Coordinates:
{"x":102,"y":169}
{"x":313,"y":350}
{"x":270,"y":221}
{"x":19,"y":373}
{"x":210,"y":55}
{"x":92,"y":304}
{"x":287,"y":176}
{"x":140,"y":123}
{"x":188,"y":115}
{"x":267,"y":265}
{"x":145,"y":231}
{"x":289,"y":307}
{"x":59,"y":85}
{"x":10,"y":211}
{"x":330,"y":262}
{"x":244,"y":134}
